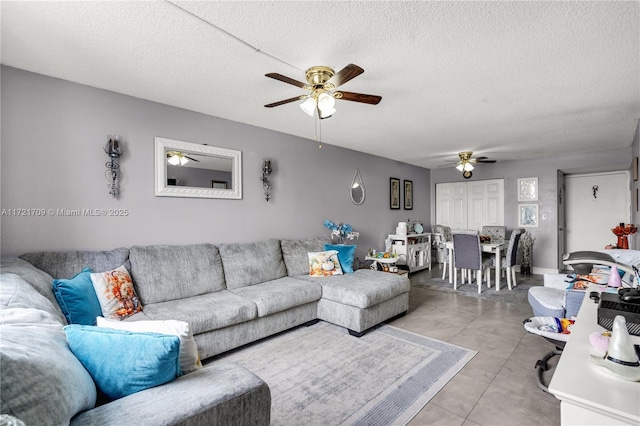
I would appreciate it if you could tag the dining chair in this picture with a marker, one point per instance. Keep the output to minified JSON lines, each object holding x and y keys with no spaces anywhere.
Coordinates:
{"x":442,"y":234}
{"x":510,"y":259}
{"x":467,"y":254}
{"x":497,"y":233}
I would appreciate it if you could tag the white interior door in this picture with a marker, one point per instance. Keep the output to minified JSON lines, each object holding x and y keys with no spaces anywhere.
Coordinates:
{"x":595,"y":203}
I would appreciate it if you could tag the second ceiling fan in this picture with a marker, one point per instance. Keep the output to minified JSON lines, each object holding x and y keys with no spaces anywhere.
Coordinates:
{"x":321,"y":83}
{"x":466,"y":162}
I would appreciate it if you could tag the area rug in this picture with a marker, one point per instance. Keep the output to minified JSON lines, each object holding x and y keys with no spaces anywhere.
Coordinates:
{"x":516,"y":295}
{"x":320,"y":375}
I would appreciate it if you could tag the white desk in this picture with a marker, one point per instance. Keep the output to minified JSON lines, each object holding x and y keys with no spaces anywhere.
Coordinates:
{"x":587,"y":395}
{"x":487,"y":248}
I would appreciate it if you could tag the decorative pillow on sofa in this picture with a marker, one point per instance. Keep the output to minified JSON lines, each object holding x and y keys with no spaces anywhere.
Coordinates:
{"x":114,"y":289}
{"x":346,"y":254}
{"x":121,"y":362}
{"x":189,"y":357}
{"x":77,"y":298}
{"x":324,"y":264}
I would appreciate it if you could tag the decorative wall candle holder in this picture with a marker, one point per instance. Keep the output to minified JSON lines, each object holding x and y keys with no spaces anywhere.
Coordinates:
{"x":114,"y":150}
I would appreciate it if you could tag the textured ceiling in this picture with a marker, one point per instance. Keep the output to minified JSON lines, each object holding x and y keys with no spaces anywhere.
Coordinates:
{"x":509,"y":80}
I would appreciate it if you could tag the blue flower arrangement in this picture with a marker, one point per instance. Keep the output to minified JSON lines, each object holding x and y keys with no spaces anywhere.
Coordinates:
{"x":342,"y":231}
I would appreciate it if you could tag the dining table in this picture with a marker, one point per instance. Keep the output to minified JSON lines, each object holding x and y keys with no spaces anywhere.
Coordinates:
{"x":495,"y":248}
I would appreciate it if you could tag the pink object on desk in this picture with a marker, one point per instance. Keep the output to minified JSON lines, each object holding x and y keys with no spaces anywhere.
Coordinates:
{"x":614,"y":278}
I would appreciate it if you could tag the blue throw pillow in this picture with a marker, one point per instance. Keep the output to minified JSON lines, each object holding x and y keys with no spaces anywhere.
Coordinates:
{"x":77,"y":298}
{"x":123,"y":362}
{"x":346,"y":254}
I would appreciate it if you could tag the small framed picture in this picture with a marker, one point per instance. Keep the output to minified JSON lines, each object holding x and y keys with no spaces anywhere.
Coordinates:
{"x":528,"y":215}
{"x":408,"y":195}
{"x":219,"y":184}
{"x":634,"y":166}
{"x":394,"y":193}
{"x":528,"y":189}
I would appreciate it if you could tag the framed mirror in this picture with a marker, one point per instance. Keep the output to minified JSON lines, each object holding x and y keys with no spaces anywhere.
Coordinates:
{"x":356,"y":191}
{"x":186,"y":169}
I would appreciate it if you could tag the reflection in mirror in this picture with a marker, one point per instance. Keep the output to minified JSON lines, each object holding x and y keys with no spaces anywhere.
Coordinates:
{"x":185,"y":169}
{"x":357,"y":189}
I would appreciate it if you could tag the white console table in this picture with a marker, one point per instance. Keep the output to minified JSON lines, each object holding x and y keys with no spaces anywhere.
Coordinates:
{"x":413,"y":250}
{"x":587,"y":395}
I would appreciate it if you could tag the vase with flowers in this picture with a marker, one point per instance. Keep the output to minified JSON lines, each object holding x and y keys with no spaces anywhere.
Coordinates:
{"x":622,"y":231}
{"x":341,"y":232}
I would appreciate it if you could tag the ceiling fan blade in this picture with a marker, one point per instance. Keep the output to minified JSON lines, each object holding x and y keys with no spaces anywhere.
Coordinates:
{"x":345,"y":74}
{"x":286,"y":101}
{"x":285,"y":79}
{"x":360,"y":97}
{"x":478,"y":160}
{"x":191,"y":158}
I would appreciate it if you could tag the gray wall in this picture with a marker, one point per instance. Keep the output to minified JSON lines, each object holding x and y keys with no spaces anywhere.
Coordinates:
{"x":200,"y":178}
{"x":53,"y":133}
{"x":545,"y":249}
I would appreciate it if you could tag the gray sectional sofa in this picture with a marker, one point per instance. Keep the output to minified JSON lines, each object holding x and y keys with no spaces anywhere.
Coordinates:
{"x":230,"y":294}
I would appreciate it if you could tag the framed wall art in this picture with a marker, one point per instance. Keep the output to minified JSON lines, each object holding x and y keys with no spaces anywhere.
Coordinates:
{"x":528,"y":189}
{"x":408,"y":195}
{"x":394,"y":193}
{"x":528,"y":215}
{"x":634,"y":166}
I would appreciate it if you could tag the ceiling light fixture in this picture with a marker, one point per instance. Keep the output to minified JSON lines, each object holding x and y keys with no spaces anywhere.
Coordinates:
{"x":321,"y":101}
{"x":176,"y":158}
{"x":465,"y":167}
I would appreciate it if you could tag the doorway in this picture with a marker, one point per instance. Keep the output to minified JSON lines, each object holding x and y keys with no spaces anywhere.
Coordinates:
{"x":594,"y":204}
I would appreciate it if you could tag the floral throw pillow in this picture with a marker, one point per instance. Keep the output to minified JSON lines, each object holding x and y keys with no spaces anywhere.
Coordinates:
{"x":117,"y":297}
{"x":324,"y":264}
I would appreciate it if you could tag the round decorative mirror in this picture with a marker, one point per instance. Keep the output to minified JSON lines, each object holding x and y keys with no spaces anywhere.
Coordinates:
{"x":356,"y":191}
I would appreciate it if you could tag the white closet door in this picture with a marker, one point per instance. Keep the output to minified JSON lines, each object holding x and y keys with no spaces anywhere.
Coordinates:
{"x":451,"y":205}
{"x":470,"y":205}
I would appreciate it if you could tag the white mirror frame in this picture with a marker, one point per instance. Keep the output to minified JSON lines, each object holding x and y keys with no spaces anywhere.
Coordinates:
{"x":164,"y":190}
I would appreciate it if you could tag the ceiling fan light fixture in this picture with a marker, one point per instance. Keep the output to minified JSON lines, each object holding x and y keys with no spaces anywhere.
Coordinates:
{"x":460,"y":167}
{"x":309,"y":106}
{"x":468,"y":167}
{"x":174,"y":160}
{"x":183,"y":160}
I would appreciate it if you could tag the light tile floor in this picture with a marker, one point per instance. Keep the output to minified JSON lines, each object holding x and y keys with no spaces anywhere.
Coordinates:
{"x":497,"y":387}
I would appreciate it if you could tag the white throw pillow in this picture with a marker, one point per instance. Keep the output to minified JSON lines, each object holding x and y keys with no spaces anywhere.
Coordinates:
{"x":324,"y":263}
{"x":189,"y":357}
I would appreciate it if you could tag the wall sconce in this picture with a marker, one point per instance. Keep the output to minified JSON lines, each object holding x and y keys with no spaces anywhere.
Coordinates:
{"x":266,"y":178}
{"x":114,"y":150}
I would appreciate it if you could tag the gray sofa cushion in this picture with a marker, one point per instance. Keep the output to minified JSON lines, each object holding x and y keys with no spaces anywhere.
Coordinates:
{"x":279,"y":295}
{"x":205,"y":312}
{"x":38,"y":279}
{"x":252,"y":263}
{"x":39,"y":376}
{"x":363,"y":289}
{"x":162,"y":273}
{"x":67,"y":264}
{"x":295,"y":253}
{"x":16,"y":293}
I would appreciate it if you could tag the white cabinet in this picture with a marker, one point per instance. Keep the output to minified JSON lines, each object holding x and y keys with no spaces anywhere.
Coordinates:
{"x":413,"y":250}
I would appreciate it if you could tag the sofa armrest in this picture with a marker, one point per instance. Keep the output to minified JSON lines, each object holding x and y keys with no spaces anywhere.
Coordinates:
{"x":219,"y":394}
